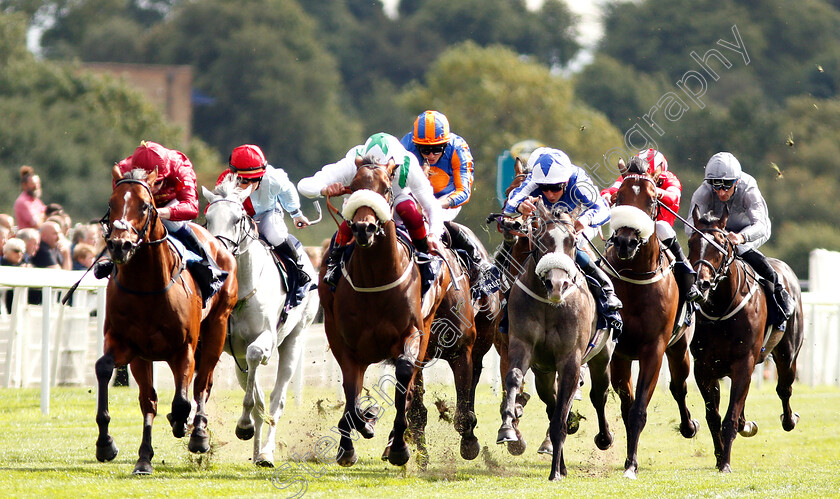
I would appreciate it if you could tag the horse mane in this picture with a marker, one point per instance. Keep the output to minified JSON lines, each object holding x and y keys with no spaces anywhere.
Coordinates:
{"x":637,"y":166}
{"x":136,"y":174}
{"x":709,"y":218}
{"x":228,"y":186}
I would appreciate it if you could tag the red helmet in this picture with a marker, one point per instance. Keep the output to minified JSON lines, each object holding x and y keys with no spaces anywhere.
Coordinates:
{"x":431,"y":128}
{"x":148,"y":156}
{"x":248,"y":161}
{"x":654,"y":159}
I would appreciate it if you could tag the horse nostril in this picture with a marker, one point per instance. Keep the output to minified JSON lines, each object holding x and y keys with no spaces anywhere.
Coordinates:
{"x":704,"y":285}
{"x":125,"y":246}
{"x":547,"y":284}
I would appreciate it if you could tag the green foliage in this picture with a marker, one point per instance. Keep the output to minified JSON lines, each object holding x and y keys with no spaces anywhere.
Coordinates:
{"x":494,"y":99}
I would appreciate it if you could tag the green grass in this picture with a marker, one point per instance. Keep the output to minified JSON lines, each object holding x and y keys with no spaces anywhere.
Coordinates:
{"x":54,"y":456}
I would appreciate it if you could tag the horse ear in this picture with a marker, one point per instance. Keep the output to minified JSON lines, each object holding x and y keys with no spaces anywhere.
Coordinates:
{"x":724,"y":216}
{"x":358,"y":161}
{"x":517,"y":166}
{"x":622,"y":167}
{"x":208,"y":194}
{"x":116,"y":173}
{"x":152,"y":177}
{"x":392,"y":165}
{"x":695,"y":214}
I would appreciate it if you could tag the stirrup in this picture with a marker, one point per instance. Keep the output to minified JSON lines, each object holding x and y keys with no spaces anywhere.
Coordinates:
{"x":103,"y":268}
{"x":332,"y":274}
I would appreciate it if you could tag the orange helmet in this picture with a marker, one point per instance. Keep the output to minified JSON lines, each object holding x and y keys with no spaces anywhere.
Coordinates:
{"x":431,"y":128}
{"x":248,"y":161}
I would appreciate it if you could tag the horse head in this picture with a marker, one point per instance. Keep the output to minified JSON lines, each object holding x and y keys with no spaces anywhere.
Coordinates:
{"x":553,"y":239}
{"x":632,"y":218}
{"x":368,"y":209}
{"x":132,"y":219}
{"x":225,"y":214}
{"x":709,"y":250}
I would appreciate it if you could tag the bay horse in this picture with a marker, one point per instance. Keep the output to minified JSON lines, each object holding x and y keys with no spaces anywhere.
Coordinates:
{"x":154,"y":313}
{"x":553,"y":331}
{"x":643,"y":278}
{"x":256,"y":330}
{"x":376,"y":313}
{"x":733,"y":334}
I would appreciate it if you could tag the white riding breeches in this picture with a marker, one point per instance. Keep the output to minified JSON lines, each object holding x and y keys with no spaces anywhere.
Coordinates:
{"x":664,"y":231}
{"x":272,"y":227}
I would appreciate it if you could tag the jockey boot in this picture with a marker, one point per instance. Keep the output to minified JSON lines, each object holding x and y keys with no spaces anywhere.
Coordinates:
{"x":207,"y":275}
{"x":333,"y":272}
{"x":421,"y":245}
{"x":103,"y":268}
{"x":288,"y":248}
{"x":683,"y":273}
{"x":611,"y":301}
{"x":777,"y":294}
{"x":484,"y":276}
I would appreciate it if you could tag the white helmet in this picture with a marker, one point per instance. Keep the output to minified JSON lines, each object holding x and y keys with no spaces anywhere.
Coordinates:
{"x":550,"y":166}
{"x":653,"y":159}
{"x":723,"y":165}
{"x":381,"y":147}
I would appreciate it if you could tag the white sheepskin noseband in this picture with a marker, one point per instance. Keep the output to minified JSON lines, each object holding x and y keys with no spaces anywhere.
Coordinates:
{"x":632,"y":217}
{"x":369,"y":198}
{"x":555,"y":260}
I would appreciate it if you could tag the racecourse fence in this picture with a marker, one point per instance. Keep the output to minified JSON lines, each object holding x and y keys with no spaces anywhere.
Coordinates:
{"x":63,"y":350}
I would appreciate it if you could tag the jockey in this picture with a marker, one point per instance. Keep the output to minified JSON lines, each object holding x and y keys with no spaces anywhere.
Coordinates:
{"x":564,"y":185}
{"x":409,"y":184}
{"x":668,"y":191}
{"x":176,"y":199}
{"x":748,"y":223}
{"x":271,"y":189}
{"x":451,"y":175}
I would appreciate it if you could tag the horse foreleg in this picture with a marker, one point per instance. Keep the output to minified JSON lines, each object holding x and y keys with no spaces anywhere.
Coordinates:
{"x":569,"y":375}
{"x":352,"y":375}
{"x":546,"y":384}
{"x":600,"y":377}
{"x":417,"y":416}
{"x":182,"y":366}
{"x":519,"y":355}
{"x":405,"y":370}
{"x":465,"y":418}
{"x":709,"y":387}
{"x":740,"y":387}
{"x":253,"y":403}
{"x":679,"y":365}
{"x":213,"y":333}
{"x":106,"y":449}
{"x":289,"y":353}
{"x":622,"y":383}
{"x":784,"y":356}
{"x":142,"y":372}
{"x":650,"y":360}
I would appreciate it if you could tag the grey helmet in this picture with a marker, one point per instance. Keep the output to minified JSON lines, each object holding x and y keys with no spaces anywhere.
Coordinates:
{"x":723,"y":165}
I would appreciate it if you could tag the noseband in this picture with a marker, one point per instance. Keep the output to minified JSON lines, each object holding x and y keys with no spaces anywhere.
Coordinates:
{"x":719,"y":273}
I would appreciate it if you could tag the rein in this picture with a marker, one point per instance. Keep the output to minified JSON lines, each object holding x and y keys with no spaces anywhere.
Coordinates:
{"x":658,"y":274}
{"x":720,"y":274}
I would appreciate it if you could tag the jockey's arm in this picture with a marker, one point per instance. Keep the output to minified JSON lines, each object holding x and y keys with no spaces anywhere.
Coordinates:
{"x":186,"y":197}
{"x":340,"y":172}
{"x":518,"y":196}
{"x":756,"y":210}
{"x":462,"y":177}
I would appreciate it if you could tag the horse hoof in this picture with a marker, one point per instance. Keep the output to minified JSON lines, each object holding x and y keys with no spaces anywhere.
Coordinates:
{"x":546,"y":447}
{"x":366,"y":430}
{"x":143,"y":467}
{"x":470,"y":448}
{"x":630,"y":473}
{"x":385,"y":453}
{"x":689,"y":430}
{"x":179,"y":429}
{"x":199,"y":442}
{"x":604,"y":441}
{"x":245,"y":433}
{"x":371,"y":414}
{"x":347,"y":457}
{"x":107,"y":451}
{"x":264,"y":461}
{"x":791,"y":424}
{"x":517,"y":448}
{"x":399,"y":457}
{"x":506,"y":434}
{"x":750,"y":429}
{"x":725,"y":468}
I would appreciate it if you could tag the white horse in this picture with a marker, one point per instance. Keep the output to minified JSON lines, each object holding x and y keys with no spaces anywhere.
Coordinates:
{"x":255,"y":328}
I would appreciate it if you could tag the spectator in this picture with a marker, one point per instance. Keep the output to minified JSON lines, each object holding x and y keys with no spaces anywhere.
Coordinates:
{"x":53,"y":251}
{"x":13,"y":253}
{"x":7,"y":221}
{"x":5,"y":234}
{"x":29,"y":209}
{"x":56,"y":212}
{"x":83,"y":256}
{"x":32,"y":238}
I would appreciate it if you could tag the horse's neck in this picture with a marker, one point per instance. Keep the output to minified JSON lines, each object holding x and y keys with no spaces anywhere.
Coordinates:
{"x":382,"y":260}
{"x":252,"y":264}
{"x":152,"y":265}
{"x":727,"y":292}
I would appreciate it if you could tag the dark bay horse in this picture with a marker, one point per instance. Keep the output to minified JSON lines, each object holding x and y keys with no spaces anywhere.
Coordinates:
{"x":376,"y":313}
{"x":552,"y":331}
{"x":733,"y":334}
{"x":154,"y":313}
{"x":644,"y":281}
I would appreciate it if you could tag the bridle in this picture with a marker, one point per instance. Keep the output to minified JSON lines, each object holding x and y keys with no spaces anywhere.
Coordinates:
{"x":653,"y":212}
{"x":719,"y":273}
{"x":107,"y":225}
{"x":245,"y":226}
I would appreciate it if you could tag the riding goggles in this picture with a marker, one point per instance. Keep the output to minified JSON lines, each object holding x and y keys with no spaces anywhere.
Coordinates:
{"x":721,"y":184}
{"x":552,"y":187}
{"x":434,"y":149}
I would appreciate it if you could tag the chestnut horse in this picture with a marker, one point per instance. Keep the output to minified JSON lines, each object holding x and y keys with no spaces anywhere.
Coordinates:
{"x":733,"y":334}
{"x":154,"y":313}
{"x":643,"y":279}
{"x":376,"y":313}
{"x":553,"y":331}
